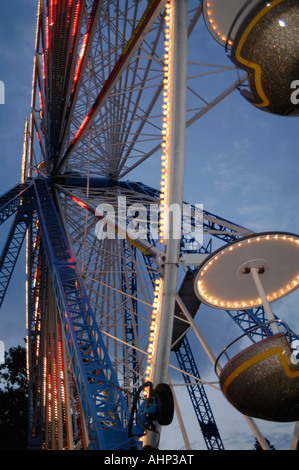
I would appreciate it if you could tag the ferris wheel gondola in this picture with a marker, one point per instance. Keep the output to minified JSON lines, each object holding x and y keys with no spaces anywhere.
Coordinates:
{"x":262,"y":38}
{"x":262,"y":380}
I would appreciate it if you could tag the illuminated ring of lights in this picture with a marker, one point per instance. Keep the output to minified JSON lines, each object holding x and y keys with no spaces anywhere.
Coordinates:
{"x":222,"y":281}
{"x":219,"y":16}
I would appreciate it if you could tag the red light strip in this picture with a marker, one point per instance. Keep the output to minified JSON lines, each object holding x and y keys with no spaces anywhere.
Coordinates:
{"x":84,"y":45}
{"x":82,"y":126}
{"x":68,"y":13}
{"x":80,"y":203}
{"x":47,"y":34}
{"x":38,"y":137}
{"x":40,"y":99}
{"x":79,"y":63}
{"x":51,"y":12}
{"x":75,"y":24}
{"x":44,"y":67}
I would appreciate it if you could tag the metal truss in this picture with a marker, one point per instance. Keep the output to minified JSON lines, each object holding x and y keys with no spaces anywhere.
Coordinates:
{"x":198,"y":397}
{"x":130,"y":306}
{"x":12,"y":199}
{"x":67,"y":287}
{"x":102,"y":404}
{"x":213,"y":227}
{"x":72,"y":303}
{"x":12,"y":247}
{"x":137,"y":192}
{"x":35,"y":302}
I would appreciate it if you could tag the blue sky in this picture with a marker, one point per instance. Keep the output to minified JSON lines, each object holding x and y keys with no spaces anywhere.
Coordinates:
{"x":241,"y":164}
{"x":17,"y":33}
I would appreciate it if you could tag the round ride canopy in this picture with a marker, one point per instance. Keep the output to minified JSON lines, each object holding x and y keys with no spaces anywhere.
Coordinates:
{"x":223,"y":281}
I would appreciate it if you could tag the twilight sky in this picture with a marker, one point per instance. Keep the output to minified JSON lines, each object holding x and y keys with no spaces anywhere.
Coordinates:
{"x":241,"y":164}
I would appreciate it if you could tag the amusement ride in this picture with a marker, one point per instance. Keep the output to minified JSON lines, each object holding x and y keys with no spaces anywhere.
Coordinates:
{"x":117,"y":270}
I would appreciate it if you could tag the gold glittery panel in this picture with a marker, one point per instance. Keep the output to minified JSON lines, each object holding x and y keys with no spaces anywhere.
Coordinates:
{"x":267,"y":47}
{"x":262,"y":382}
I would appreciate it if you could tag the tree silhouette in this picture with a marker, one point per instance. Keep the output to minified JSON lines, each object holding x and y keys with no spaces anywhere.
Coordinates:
{"x":257,"y":445}
{"x":13,"y":400}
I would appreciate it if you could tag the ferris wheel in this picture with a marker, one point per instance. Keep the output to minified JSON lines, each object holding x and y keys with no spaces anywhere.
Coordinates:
{"x":117,"y":266}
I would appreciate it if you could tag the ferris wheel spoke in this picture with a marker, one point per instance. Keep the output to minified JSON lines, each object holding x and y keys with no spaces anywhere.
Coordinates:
{"x":120,"y":66}
{"x":118,"y":126}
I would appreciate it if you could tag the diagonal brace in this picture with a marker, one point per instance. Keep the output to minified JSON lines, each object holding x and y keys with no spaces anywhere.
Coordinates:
{"x":12,"y":248}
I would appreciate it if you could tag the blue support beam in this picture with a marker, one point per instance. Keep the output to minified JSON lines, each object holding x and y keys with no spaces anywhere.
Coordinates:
{"x":12,"y":247}
{"x":130,"y":306}
{"x":12,"y":199}
{"x":199,"y":398}
{"x":104,"y":408}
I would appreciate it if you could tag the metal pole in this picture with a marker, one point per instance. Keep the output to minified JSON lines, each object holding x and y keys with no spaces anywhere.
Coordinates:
{"x":260,"y":288}
{"x":176,"y":130}
{"x":179,"y":417}
{"x":197,"y":332}
{"x":211,"y":356}
{"x":175,"y":178}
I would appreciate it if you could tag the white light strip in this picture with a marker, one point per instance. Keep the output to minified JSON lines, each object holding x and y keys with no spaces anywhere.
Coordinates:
{"x":208,"y":297}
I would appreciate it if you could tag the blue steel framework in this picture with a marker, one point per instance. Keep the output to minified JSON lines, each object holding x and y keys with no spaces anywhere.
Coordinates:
{"x":89,"y":95}
{"x":87,"y":353}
